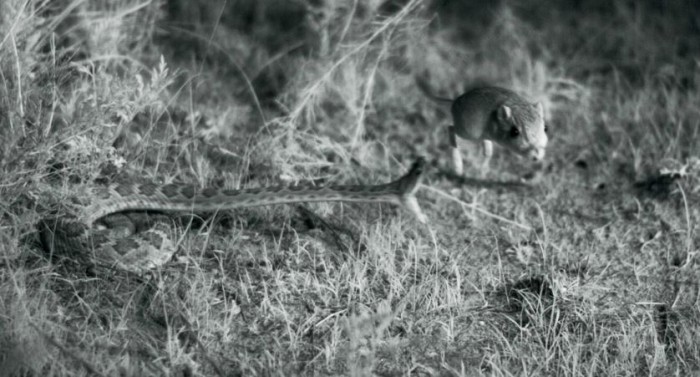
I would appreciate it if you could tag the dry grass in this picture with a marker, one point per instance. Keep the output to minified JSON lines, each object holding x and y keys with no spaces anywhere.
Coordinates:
{"x":590,"y":271}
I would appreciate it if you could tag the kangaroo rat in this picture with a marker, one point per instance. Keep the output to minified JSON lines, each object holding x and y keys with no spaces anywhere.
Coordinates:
{"x":490,"y":114}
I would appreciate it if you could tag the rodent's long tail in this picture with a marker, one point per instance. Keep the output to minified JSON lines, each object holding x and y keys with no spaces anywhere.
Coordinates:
{"x":425,"y":89}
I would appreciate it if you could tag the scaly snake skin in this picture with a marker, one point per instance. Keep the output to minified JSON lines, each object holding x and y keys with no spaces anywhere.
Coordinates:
{"x":124,"y":224}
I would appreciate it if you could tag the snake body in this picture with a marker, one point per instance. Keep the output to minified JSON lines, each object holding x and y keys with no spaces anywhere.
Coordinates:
{"x":124,"y":224}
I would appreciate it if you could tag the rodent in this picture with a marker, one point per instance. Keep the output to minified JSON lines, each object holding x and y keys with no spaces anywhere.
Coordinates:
{"x":489,"y":114}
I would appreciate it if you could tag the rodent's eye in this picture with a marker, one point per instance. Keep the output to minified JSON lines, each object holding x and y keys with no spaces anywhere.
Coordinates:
{"x":514,"y":132}
{"x":546,"y":129}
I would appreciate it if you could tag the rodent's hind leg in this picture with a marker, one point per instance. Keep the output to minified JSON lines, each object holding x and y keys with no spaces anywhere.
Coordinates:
{"x":457,"y":161}
{"x":456,"y":155}
{"x":487,"y":149}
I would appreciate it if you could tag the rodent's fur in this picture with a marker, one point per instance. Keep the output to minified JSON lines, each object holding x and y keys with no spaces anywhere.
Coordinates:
{"x":493,"y":114}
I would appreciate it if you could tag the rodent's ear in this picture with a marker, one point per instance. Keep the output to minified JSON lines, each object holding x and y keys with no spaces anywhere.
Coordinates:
{"x":503,"y":113}
{"x":540,"y":108}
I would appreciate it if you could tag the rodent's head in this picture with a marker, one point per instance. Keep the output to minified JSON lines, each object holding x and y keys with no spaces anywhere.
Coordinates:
{"x":520,"y":127}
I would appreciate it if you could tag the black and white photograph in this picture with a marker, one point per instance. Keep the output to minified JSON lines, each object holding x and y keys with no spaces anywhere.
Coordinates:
{"x":195,"y":188}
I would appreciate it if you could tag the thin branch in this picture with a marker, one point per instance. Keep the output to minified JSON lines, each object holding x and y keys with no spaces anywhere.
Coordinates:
{"x":475,"y":208}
